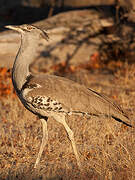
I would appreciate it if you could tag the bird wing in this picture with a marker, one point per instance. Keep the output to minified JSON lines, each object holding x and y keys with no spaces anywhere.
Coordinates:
{"x":73,"y":97}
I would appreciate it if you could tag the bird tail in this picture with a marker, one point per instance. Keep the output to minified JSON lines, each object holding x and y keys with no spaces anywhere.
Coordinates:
{"x":115,"y":111}
{"x":119,"y":120}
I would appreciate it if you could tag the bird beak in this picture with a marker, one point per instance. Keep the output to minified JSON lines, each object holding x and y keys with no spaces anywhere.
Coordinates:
{"x":11,"y":27}
{"x":15,"y":28}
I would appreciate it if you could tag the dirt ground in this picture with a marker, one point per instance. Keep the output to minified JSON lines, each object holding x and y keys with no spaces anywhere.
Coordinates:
{"x":106,"y":147}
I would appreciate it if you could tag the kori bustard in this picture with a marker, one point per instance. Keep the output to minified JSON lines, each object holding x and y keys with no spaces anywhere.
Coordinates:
{"x":54,"y":96}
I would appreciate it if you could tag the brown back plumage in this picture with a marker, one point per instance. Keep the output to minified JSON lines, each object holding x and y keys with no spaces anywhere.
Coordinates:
{"x":75,"y":97}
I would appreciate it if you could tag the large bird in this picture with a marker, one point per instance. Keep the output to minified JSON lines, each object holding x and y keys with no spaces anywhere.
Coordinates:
{"x":54,"y":96}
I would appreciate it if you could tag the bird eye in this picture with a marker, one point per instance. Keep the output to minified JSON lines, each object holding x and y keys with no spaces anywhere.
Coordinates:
{"x":30,"y":28}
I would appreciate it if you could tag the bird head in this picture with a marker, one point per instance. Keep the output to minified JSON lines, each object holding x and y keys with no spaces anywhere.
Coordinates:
{"x":27,"y":28}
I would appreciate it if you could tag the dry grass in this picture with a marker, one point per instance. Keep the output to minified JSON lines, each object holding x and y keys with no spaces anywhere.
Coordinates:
{"x":106,"y":147}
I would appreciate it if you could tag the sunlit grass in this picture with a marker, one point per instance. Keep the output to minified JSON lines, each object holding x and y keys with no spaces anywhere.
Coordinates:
{"x":106,"y":147}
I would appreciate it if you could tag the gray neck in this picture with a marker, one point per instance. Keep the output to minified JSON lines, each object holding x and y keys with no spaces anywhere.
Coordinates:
{"x":24,"y":58}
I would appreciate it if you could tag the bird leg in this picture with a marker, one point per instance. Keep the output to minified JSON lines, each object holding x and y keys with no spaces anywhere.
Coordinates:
{"x":44,"y":141}
{"x":61,"y":119}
